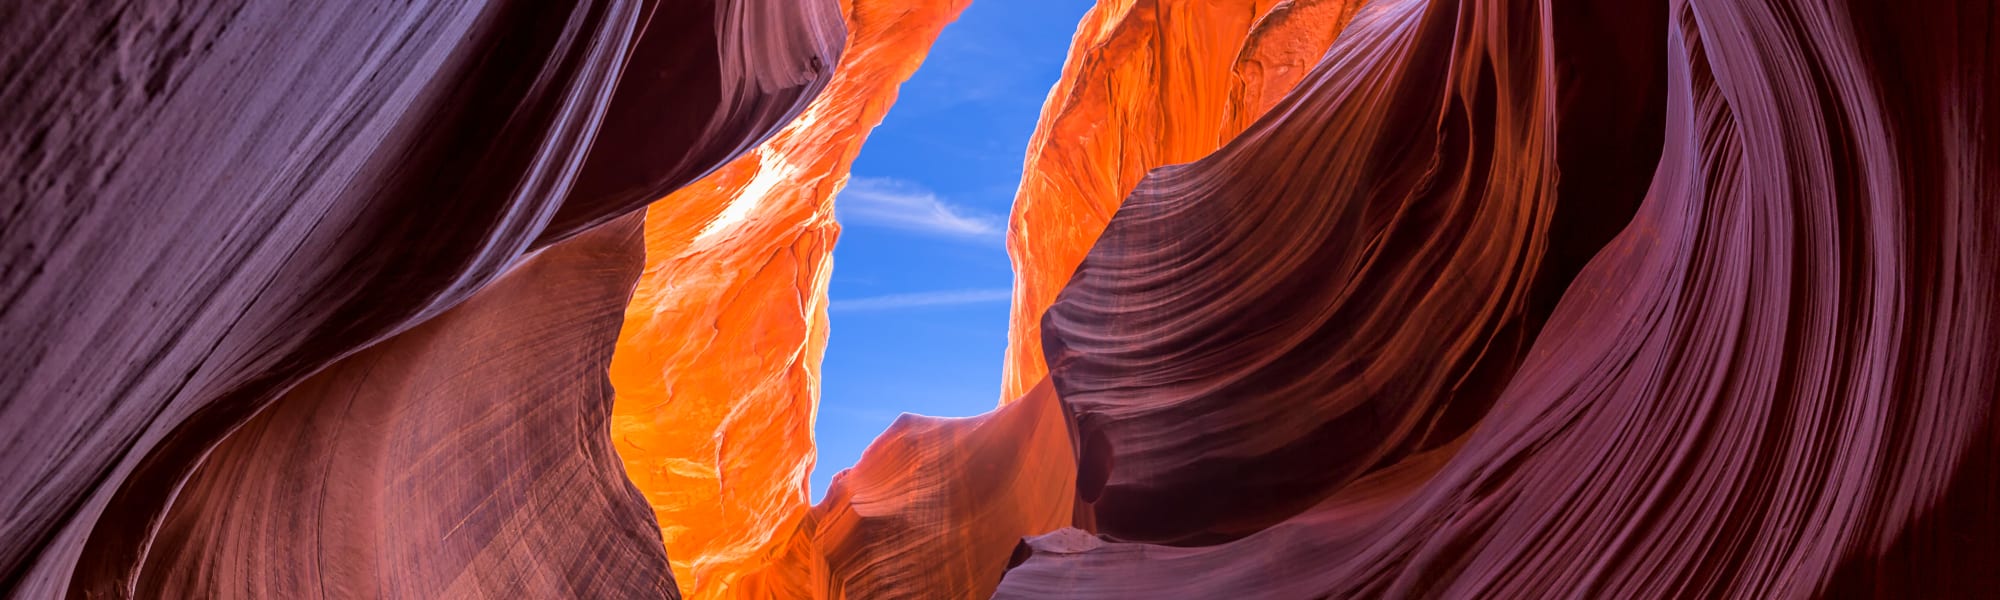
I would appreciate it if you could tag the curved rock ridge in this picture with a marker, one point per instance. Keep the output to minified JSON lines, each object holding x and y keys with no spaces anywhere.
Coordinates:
{"x":1148,"y":83}
{"x":1353,"y":279}
{"x":209,"y":202}
{"x":386,"y":464}
{"x":934,"y":508}
{"x":1776,"y":381}
{"x":717,"y":367}
{"x":757,"y":65}
{"x":1504,"y":298}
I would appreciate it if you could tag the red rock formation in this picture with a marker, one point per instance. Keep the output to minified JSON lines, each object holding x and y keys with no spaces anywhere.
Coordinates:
{"x":934,"y":508}
{"x":1774,"y":382}
{"x":1256,"y":330}
{"x":717,"y":369}
{"x":1148,"y":83}
{"x":385,"y":464}
{"x":207,"y":203}
{"x":1508,"y":298}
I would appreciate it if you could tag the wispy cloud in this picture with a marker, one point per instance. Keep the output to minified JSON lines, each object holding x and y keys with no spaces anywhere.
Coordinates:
{"x":899,"y":204}
{"x":922,"y":299}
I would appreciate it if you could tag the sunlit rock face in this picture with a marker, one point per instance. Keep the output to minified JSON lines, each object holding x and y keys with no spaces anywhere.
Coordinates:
{"x":1309,"y":373}
{"x":934,"y":509}
{"x":206,"y":204}
{"x":1148,"y":83}
{"x":717,"y":367}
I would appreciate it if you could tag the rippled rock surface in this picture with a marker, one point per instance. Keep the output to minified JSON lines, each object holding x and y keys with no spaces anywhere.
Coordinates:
{"x":208,"y":203}
{"x":1148,"y":83}
{"x":1504,"y":298}
{"x":1379,"y":377}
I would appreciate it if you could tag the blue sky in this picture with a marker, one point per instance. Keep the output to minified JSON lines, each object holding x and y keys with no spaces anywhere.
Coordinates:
{"x":920,"y":275}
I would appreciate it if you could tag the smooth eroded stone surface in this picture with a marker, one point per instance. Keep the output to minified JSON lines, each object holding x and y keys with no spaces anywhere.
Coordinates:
{"x":1776,"y":381}
{"x":463,"y":458}
{"x":207,"y":202}
{"x":1505,"y":298}
{"x":1148,"y":83}
{"x":1353,"y":279}
{"x":934,"y":509}
{"x":717,"y":368}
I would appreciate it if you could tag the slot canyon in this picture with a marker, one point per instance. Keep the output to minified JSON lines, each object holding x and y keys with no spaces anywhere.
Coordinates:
{"x":1270,"y":299}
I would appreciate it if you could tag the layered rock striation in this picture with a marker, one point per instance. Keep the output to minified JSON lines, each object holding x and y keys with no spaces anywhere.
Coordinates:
{"x":1346,"y":283}
{"x":465,"y":457}
{"x":1505,"y":298}
{"x":1148,"y":83}
{"x":1772,"y":382}
{"x":209,"y":203}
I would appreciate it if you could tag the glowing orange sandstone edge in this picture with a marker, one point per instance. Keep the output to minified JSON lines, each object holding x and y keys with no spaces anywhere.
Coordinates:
{"x":1147,"y":84}
{"x":717,"y":366}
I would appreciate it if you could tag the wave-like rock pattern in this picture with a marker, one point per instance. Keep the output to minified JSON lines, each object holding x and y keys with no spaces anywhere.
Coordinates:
{"x":717,"y":368}
{"x":1347,"y":282}
{"x":1148,"y":83}
{"x":1776,"y":381}
{"x":209,"y":202}
{"x":1508,"y":298}
{"x":465,"y":457}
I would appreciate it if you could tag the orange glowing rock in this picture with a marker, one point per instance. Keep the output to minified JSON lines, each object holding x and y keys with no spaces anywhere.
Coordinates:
{"x":1147,"y":84}
{"x":717,"y":366}
{"x":934,"y":509}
